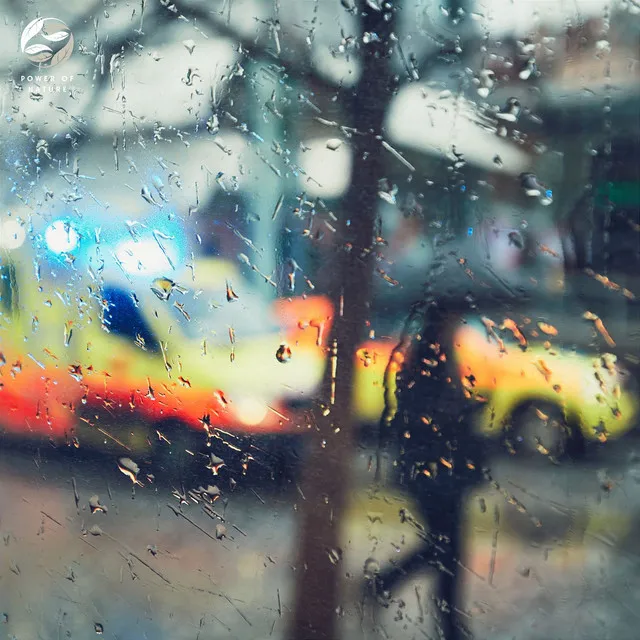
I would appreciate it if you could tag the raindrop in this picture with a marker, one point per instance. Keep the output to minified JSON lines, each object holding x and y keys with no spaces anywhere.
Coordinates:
{"x":515,"y":239}
{"x":215,"y":463}
{"x":221,"y":531}
{"x":68,"y":332}
{"x":511,"y":110}
{"x":486,"y":80}
{"x":163,"y":287}
{"x":146,"y":195}
{"x":159,"y":186}
{"x":530,"y":70}
{"x":129,"y":468}
{"x":42,"y":146}
{"x":211,"y":493}
{"x":231,"y":294}
{"x":371,"y":568}
{"x":548,"y":329}
{"x":283,"y":354}
{"x":534,"y":189}
{"x":213,"y":125}
{"x":96,"y":506}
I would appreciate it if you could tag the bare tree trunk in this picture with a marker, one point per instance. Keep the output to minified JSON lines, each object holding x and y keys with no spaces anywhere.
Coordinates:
{"x":326,"y":478}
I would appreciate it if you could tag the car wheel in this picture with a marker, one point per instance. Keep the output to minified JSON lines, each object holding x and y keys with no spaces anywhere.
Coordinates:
{"x":540,"y":429}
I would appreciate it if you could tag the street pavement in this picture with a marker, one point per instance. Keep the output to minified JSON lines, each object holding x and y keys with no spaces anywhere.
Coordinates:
{"x":563,"y":565}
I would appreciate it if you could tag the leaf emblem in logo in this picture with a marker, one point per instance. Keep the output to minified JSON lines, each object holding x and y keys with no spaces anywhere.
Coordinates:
{"x":61,"y":56}
{"x":30,"y":31}
{"x":37,"y":48}
{"x":47,"y":42}
{"x":41,"y":57}
{"x":56,"y":37}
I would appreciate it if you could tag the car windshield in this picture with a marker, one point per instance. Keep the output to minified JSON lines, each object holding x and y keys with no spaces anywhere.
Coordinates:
{"x":207,"y":314}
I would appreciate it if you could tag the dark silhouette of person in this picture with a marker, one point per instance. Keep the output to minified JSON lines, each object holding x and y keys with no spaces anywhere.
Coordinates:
{"x":440,"y":458}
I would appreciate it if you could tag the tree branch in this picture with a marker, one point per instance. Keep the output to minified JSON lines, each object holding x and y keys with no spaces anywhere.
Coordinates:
{"x":297,"y":66}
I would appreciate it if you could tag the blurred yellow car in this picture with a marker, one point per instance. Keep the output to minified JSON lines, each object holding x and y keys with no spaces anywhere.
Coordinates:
{"x":488,"y":361}
{"x":596,"y":389}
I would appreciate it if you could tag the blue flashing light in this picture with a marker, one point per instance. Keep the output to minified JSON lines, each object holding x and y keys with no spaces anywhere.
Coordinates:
{"x":470,"y":231}
{"x":549,"y":193}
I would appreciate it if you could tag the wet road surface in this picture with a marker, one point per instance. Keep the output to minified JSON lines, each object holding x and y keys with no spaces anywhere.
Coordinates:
{"x":146,"y":564}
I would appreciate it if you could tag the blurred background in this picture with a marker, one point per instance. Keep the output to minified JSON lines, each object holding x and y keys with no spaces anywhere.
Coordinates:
{"x":226,"y":409}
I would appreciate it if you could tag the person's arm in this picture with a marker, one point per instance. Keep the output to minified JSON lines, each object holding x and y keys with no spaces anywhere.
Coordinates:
{"x":388,"y":426}
{"x":579,"y":232}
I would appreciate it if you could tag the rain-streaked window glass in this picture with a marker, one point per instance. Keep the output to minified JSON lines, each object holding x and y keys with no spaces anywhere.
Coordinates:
{"x":319,"y":320}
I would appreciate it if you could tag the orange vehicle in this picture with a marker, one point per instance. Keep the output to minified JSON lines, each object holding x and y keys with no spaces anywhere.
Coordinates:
{"x":123,"y":359}
{"x":58,"y":358}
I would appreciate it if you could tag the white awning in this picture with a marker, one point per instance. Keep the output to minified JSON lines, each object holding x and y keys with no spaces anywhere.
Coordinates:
{"x":420,"y":119}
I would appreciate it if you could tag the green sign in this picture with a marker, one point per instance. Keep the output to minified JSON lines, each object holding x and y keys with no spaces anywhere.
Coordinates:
{"x":619,"y":193}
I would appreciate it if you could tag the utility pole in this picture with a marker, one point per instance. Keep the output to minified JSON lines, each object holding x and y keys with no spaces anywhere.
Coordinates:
{"x":326,"y":479}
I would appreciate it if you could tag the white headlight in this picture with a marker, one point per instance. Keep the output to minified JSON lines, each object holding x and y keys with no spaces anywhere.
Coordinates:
{"x":61,"y":237}
{"x":251,"y":411}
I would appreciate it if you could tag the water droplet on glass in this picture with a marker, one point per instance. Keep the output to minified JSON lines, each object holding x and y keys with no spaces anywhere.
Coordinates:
{"x":535,"y":189}
{"x":129,"y":468}
{"x":231,"y":294}
{"x":371,"y":568}
{"x":210,"y":494}
{"x":530,"y":70}
{"x":68,"y":332}
{"x":189,"y":45}
{"x":213,"y":125}
{"x":163,"y":288}
{"x":96,"y":506}
{"x":515,"y":239}
{"x":221,"y":531}
{"x":511,"y":110}
{"x":283,"y":354}
{"x":215,"y":463}
{"x":486,"y":81}
{"x":148,"y":197}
